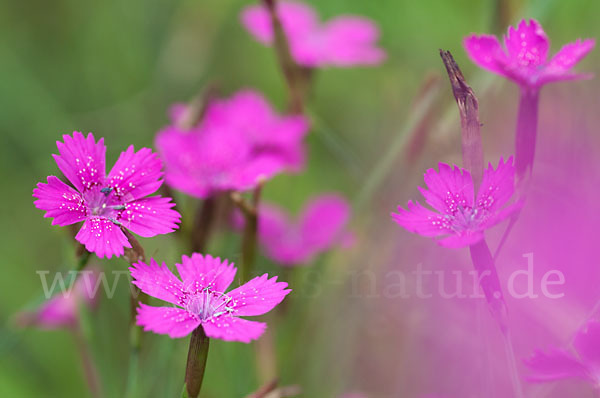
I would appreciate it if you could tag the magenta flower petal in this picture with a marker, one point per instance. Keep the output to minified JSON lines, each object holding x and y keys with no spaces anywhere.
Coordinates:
{"x":554,"y":365}
{"x":150,"y":216}
{"x":457,"y":217}
{"x":527,"y":45}
{"x":234,"y":329}
{"x":207,"y":271}
{"x":448,"y":188}
{"x":525,"y":56}
{"x":487,"y":52}
{"x":172,"y":321}
{"x":560,"y":364}
{"x":496,"y":187}
{"x":343,"y":41}
{"x":351,"y":41}
{"x":202,"y":299}
{"x":135,"y":174}
{"x":60,"y":201}
{"x":559,"y":67}
{"x":82,"y":160}
{"x":420,"y":220}
{"x":587,"y":345}
{"x":323,"y":220}
{"x":106,"y":203}
{"x":158,"y":281}
{"x":258,"y":296}
{"x":103,"y":237}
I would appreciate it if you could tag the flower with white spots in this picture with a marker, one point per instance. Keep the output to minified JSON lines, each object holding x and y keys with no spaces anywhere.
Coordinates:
{"x":525,"y":59}
{"x":106,"y":203}
{"x":459,"y":215}
{"x":200,"y":299}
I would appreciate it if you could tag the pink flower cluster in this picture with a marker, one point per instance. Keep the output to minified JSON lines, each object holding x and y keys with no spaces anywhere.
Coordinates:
{"x":239,"y":141}
{"x":342,"y":41}
{"x":320,"y":225}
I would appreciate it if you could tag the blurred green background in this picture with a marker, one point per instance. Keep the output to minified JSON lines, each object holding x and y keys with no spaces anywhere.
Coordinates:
{"x":114,"y":67}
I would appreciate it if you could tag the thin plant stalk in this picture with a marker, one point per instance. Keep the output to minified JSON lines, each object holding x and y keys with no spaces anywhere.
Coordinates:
{"x":89,"y":369}
{"x":203,"y":224}
{"x":481,"y":256}
{"x":297,"y":77}
{"x":525,"y":143}
{"x":133,"y":255}
{"x":249,"y":234}
{"x":196,"y":363}
{"x":526,"y":133}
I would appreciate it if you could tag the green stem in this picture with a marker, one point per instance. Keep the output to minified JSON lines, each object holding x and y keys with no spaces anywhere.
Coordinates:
{"x":249,"y":237}
{"x":196,"y":363}
{"x":297,"y":78}
{"x":89,"y":369}
{"x":203,"y":224}
{"x":133,"y":255}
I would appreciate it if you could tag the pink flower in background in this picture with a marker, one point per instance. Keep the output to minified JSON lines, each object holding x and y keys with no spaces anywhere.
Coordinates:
{"x":559,"y":363}
{"x":62,"y":309}
{"x":200,"y":299}
{"x":342,"y":41}
{"x":239,"y":141}
{"x":524,"y":57}
{"x":319,"y":226}
{"x":106,"y":203}
{"x":458,"y":215}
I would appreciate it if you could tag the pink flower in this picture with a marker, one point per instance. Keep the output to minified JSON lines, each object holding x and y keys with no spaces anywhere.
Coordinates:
{"x":105,"y":203}
{"x":524,"y":56}
{"x":62,"y":309}
{"x":457,"y":215}
{"x":200,"y":299}
{"x":343,"y":41}
{"x":320,"y":225}
{"x":558,"y":363}
{"x":239,"y":141}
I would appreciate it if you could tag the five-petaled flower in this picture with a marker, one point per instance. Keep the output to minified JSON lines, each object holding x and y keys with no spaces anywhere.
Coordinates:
{"x":460,"y":216}
{"x":524,"y":58}
{"x":559,"y":363}
{"x":319,"y":226}
{"x":342,"y":41}
{"x":201,"y":299}
{"x":239,"y":141}
{"x":106,"y":203}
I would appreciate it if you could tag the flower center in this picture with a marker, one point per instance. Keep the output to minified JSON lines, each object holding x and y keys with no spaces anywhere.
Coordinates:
{"x":103,"y":203}
{"x":207,"y":304}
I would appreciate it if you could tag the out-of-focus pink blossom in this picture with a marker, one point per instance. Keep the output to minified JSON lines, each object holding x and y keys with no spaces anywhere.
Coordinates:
{"x":61,"y":310}
{"x":200,"y":299}
{"x":343,"y":41}
{"x":239,"y":141}
{"x":106,"y":202}
{"x":559,"y":363}
{"x":319,"y":226}
{"x":458,"y":215}
{"x":524,"y":57}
